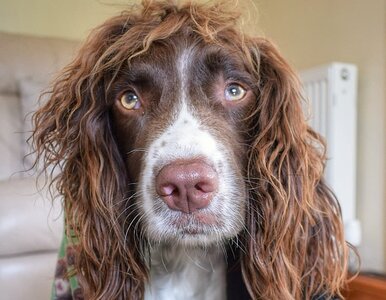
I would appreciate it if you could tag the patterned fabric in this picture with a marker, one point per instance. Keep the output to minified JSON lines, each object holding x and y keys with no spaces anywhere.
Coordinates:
{"x":66,"y":286}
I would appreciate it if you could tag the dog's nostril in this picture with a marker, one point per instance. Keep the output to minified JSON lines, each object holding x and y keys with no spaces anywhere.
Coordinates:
{"x":168,"y":189}
{"x":198,"y":186}
{"x":187,"y":186}
{"x":205,"y":187}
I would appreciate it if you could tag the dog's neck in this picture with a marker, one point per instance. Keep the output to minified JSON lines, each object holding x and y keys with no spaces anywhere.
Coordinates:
{"x":181,"y":273}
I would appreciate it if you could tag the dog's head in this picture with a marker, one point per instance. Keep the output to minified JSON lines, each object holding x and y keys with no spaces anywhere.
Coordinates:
{"x":173,"y":126}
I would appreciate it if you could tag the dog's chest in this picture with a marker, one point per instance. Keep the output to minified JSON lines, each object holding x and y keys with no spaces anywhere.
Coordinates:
{"x":181,"y":274}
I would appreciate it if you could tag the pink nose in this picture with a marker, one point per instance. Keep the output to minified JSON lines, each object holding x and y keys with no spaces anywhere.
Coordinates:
{"x":187,"y":185}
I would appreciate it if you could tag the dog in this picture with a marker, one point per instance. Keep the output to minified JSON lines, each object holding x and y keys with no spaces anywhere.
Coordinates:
{"x":186,"y":166}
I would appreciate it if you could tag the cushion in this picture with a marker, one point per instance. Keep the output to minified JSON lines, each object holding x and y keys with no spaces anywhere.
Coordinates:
{"x":29,"y":221}
{"x":20,"y":275}
{"x":10,"y":137}
{"x":30,"y":91}
{"x":34,"y":57}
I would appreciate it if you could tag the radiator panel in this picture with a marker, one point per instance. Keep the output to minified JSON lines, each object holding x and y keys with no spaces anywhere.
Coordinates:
{"x":331,"y":94}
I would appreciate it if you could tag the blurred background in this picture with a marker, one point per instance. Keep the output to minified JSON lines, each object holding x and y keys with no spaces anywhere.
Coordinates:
{"x":308,"y":33}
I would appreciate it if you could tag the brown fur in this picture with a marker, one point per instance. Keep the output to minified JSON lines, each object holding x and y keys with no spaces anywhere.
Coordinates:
{"x":293,"y":243}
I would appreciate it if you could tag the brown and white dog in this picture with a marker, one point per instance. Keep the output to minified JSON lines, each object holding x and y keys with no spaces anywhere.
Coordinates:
{"x":186,"y":166}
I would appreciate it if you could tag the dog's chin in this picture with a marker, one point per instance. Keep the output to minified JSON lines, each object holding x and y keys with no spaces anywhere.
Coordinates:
{"x":192,"y":230}
{"x":191,"y":239}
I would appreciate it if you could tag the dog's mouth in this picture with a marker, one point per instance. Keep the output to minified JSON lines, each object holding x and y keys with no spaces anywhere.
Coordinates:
{"x":191,"y":231}
{"x":196,"y":219}
{"x":197,"y":223}
{"x":201,"y":227}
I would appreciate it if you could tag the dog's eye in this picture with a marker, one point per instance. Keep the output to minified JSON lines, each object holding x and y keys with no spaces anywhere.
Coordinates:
{"x":234,"y":92}
{"x":130,"y":100}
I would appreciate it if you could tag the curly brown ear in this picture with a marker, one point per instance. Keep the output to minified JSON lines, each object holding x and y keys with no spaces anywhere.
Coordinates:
{"x":294,"y":242}
{"x":73,"y":132}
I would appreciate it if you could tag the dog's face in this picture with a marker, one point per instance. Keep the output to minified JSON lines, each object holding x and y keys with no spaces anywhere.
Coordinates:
{"x":178,"y":114}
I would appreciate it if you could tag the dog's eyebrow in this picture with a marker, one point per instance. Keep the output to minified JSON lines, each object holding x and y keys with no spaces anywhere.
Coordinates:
{"x":222,"y":60}
{"x":141,"y":74}
{"x":230,"y":66}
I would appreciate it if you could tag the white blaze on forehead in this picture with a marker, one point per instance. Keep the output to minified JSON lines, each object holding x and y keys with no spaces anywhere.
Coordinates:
{"x":183,"y":64}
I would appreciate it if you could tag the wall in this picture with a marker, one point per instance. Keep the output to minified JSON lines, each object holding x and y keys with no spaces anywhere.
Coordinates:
{"x":309,"y":33}
{"x":70,"y":19}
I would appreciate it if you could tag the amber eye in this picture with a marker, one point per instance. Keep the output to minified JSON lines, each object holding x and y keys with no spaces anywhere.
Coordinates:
{"x":130,"y":100}
{"x":234,"y":92}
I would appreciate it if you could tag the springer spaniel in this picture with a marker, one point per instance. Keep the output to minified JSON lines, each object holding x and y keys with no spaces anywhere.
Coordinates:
{"x":186,"y":166}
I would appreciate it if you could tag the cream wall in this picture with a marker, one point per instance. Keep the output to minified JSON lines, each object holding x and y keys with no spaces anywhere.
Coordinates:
{"x":70,"y":19}
{"x":309,"y":33}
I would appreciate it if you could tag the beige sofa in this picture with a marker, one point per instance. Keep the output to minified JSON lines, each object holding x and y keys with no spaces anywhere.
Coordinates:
{"x":30,"y":225}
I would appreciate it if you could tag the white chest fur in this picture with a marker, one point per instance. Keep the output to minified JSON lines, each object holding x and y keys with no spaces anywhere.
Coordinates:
{"x":179,"y":273}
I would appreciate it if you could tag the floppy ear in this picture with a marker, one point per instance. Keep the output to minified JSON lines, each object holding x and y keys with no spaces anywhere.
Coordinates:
{"x":294,"y":243}
{"x":73,"y":133}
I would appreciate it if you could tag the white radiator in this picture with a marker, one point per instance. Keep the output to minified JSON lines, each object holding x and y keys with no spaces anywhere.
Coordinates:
{"x":331,"y":92}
